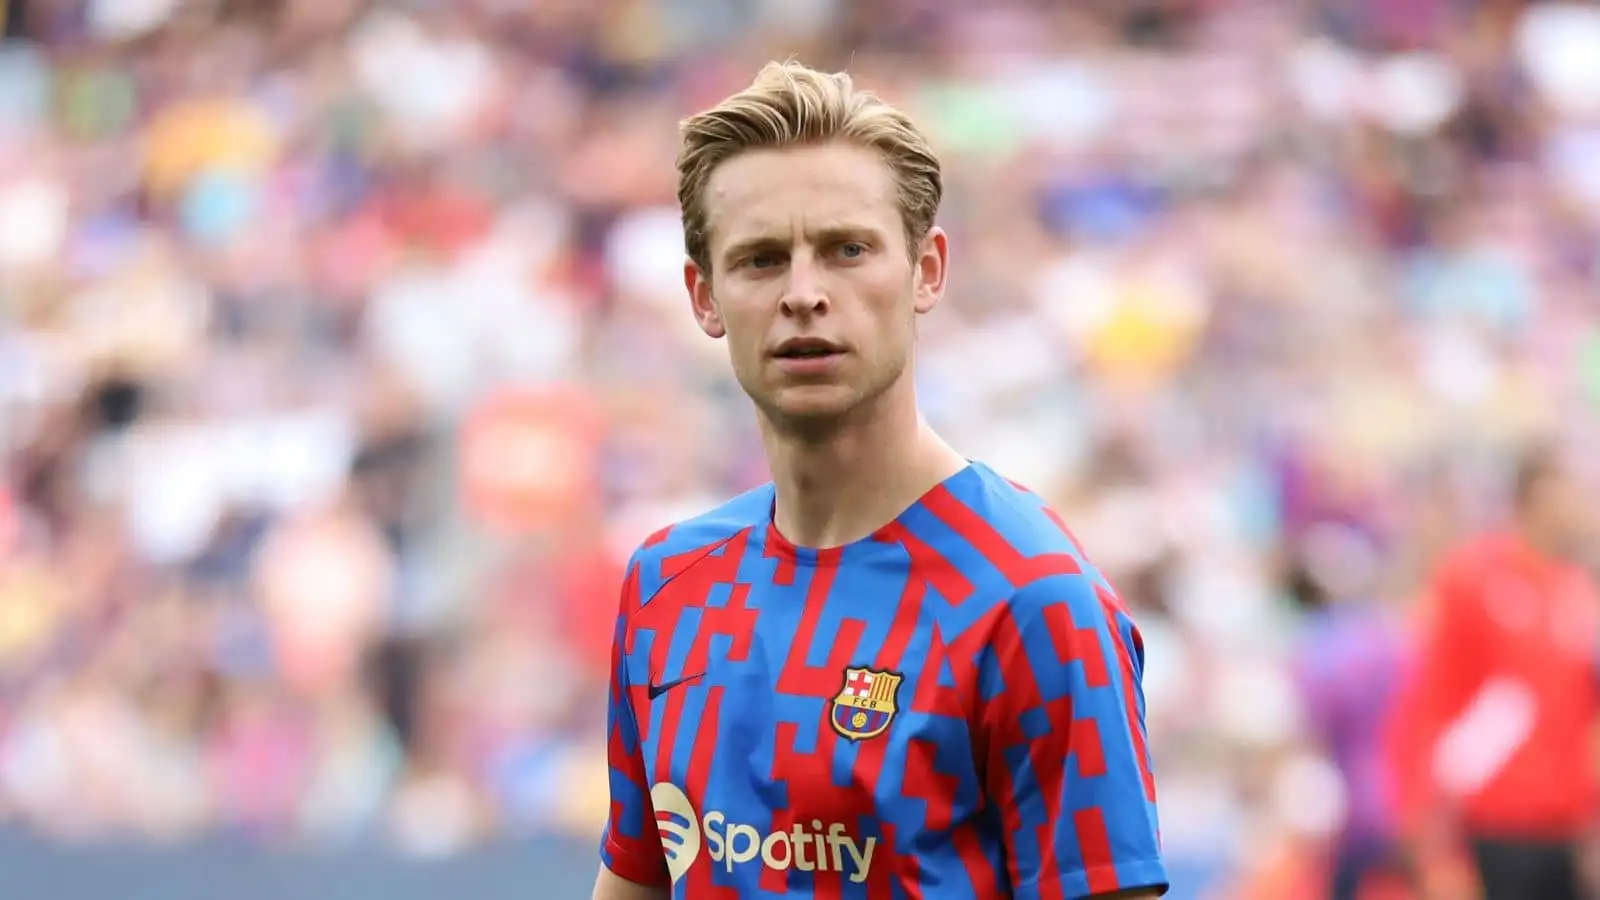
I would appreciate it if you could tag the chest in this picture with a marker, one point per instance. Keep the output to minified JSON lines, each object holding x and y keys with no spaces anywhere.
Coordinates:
{"x":828,"y":699}
{"x":1546,"y":622}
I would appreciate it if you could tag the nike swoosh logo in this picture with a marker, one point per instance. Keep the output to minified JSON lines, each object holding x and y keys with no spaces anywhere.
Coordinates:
{"x":657,"y":690}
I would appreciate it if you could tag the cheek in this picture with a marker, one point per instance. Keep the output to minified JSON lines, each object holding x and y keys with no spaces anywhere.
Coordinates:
{"x":893,"y":310}
{"x":745,"y":323}
{"x":741,"y":316}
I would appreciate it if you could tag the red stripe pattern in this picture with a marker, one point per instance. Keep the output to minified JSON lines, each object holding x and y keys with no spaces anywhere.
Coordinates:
{"x":949,"y":709}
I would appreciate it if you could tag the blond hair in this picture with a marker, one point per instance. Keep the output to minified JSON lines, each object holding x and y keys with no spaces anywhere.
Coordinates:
{"x":790,"y":104}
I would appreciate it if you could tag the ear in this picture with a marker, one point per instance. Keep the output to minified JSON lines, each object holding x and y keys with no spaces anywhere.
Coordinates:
{"x":932,"y":264}
{"x":701,"y":301}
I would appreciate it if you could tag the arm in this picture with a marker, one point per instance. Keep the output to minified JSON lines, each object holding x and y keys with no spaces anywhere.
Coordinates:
{"x":611,"y":886}
{"x":1062,"y":745}
{"x":634,"y":866}
{"x":1441,"y":682}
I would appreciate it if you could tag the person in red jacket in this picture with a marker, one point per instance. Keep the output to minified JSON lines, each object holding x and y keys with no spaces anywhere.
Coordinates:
{"x":1493,"y":731}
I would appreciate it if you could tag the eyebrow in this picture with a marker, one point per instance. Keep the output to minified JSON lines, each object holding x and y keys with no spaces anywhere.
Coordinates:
{"x":828,"y":234}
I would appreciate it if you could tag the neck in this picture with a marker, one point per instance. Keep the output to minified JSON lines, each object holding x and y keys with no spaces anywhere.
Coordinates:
{"x":1540,"y":540}
{"x":843,"y":484}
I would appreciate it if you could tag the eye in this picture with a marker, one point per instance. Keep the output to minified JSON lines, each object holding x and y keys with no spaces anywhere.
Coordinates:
{"x":852,"y":250}
{"x":762,"y":260}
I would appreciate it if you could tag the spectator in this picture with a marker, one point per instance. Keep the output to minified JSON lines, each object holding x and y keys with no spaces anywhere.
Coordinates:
{"x":343,"y":349}
{"x":1505,"y":694}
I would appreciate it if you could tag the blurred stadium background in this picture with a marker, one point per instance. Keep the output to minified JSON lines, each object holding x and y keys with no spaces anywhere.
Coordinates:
{"x":343,"y":357}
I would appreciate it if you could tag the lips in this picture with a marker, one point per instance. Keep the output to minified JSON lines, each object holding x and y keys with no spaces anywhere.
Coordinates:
{"x":807,"y":348}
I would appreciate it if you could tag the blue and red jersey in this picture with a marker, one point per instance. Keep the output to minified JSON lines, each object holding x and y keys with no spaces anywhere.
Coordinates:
{"x":950,"y":708}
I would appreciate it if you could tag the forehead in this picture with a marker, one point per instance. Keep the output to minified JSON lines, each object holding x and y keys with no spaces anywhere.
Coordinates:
{"x":774,"y":192}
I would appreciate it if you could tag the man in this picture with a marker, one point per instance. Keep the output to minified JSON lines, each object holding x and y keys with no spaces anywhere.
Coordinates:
{"x":1493,"y":734}
{"x":1347,"y":665}
{"x":888,"y":673}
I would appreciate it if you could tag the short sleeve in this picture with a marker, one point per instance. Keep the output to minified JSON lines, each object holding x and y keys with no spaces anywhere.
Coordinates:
{"x":1063,"y":747}
{"x":631,"y":846}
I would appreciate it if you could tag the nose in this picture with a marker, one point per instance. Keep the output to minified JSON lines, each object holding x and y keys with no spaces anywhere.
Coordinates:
{"x":803,"y":294}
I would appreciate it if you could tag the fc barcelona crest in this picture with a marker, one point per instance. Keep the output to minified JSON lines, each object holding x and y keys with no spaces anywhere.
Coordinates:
{"x":865,"y":705}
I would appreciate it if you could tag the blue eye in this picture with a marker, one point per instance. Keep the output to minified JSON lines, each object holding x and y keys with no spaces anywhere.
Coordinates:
{"x":762,"y":260}
{"x":852,"y":250}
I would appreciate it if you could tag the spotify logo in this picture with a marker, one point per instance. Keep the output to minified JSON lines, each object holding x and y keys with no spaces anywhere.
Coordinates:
{"x":806,"y":846}
{"x":679,"y":826}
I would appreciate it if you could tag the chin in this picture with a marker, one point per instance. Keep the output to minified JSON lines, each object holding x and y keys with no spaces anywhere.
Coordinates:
{"x":812,"y":403}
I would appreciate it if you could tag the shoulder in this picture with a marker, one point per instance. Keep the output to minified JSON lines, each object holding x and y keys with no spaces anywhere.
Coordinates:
{"x":1016,"y":513}
{"x":1057,"y":626}
{"x":1045,"y":564}
{"x":1468,"y":565}
{"x":1010,"y":524}
{"x":672,"y":550}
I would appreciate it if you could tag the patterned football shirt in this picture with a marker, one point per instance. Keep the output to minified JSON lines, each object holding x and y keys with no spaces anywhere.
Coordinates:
{"x":950,"y":708}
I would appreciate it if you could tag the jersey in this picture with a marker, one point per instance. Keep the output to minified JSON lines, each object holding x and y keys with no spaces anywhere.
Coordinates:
{"x":950,"y":708}
{"x":1503,"y":694}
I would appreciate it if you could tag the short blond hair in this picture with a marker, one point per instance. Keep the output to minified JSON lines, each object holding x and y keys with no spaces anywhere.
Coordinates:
{"x":790,"y":104}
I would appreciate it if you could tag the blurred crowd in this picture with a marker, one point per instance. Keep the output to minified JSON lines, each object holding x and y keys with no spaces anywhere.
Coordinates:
{"x":344,"y":357}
